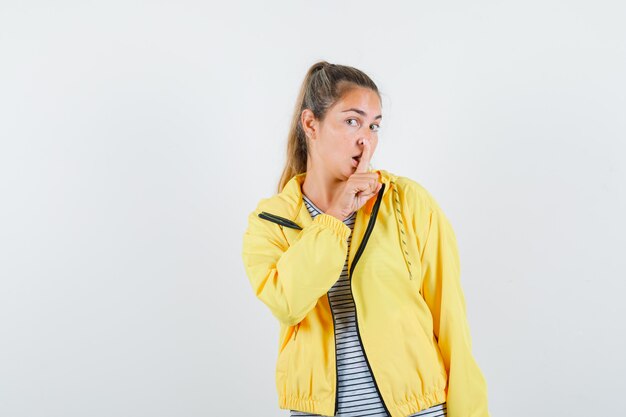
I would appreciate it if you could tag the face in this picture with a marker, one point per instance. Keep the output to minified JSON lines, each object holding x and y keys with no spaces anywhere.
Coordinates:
{"x":335,"y":141}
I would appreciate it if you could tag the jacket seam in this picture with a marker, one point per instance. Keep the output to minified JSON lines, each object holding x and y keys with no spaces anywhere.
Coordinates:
{"x":401,"y":227}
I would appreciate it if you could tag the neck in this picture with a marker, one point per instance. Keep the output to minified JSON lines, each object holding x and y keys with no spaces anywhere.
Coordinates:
{"x":321,"y":188}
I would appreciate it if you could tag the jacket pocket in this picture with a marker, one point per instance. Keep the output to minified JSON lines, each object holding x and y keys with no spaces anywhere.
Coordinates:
{"x":284,"y":352}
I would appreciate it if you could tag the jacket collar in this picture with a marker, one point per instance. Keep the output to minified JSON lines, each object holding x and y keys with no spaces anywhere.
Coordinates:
{"x":292,"y":192}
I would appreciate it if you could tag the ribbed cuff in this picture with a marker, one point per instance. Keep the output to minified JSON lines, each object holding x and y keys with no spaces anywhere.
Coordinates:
{"x":339,"y":227}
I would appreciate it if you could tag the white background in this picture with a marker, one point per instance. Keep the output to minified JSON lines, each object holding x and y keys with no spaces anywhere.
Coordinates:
{"x":135,"y":138}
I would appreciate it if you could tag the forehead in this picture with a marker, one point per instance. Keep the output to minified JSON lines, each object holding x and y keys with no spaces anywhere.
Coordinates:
{"x":360,"y":98}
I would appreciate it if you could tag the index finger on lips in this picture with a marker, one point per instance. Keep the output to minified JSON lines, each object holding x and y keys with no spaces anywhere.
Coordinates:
{"x":364,"y":161}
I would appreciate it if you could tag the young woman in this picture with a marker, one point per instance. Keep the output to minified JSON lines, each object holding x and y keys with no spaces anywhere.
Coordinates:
{"x":361,"y":269}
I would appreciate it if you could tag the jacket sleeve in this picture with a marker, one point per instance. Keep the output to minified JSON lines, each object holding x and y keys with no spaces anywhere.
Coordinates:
{"x":290,"y":279}
{"x":442,"y":291}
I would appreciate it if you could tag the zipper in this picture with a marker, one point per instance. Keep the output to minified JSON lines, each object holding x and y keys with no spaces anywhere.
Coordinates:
{"x":368,"y":231}
{"x":295,"y":333}
{"x":289,"y":223}
{"x":280,"y":220}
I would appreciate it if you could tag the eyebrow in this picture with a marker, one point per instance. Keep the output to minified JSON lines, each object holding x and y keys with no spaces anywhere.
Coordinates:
{"x":361,"y":112}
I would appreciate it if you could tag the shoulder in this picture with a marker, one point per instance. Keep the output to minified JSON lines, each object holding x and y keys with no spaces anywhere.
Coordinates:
{"x":260,"y":232}
{"x":419,"y":208}
{"x":412,"y":192}
{"x":285,"y":204}
{"x":279,"y":204}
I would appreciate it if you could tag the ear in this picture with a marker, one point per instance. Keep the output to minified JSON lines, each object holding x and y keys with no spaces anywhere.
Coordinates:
{"x":309,"y":123}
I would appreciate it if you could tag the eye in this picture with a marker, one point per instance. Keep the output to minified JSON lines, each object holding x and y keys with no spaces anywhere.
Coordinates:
{"x":375,"y":127}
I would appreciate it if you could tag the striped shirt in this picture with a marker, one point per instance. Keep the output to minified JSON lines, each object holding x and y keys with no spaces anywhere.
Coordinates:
{"x":356,"y":391}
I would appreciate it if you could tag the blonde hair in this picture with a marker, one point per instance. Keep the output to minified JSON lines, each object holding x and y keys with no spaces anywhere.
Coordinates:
{"x":323,"y":85}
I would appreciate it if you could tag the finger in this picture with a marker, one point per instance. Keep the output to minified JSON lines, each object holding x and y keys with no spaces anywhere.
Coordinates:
{"x":370,"y":189}
{"x":364,"y":162}
{"x":364,"y":182}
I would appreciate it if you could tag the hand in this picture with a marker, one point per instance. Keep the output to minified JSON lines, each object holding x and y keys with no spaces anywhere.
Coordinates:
{"x":358,"y":189}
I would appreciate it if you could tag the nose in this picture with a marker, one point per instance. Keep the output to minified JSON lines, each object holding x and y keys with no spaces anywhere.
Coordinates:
{"x":363,"y":139}
{"x":367,"y":134}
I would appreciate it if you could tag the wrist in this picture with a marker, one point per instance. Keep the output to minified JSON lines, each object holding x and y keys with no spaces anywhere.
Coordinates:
{"x":335,"y":214}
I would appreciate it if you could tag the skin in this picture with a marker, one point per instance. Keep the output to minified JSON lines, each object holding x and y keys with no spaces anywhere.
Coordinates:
{"x":332,"y":182}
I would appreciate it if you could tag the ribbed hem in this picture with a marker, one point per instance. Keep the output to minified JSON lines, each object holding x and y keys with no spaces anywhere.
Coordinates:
{"x":339,"y":227}
{"x":307,"y":405}
{"x":407,"y":408}
{"x":398,"y":409}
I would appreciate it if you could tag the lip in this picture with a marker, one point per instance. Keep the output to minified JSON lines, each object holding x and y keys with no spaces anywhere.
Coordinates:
{"x":355,"y":163}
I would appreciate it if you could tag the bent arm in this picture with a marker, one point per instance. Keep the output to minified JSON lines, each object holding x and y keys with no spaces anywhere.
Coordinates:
{"x":290,"y":279}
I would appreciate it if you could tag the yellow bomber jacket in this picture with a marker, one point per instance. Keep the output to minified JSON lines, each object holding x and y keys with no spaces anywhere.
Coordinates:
{"x":404,"y":269}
